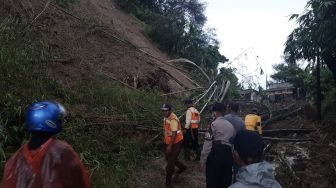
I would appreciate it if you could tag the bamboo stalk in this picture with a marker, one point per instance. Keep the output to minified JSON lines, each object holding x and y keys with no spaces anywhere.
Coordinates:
{"x":176,"y":92}
{"x":288,"y":139}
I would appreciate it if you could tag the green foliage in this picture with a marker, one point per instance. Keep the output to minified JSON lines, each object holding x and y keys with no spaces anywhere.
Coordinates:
{"x":315,"y":37}
{"x":310,"y":83}
{"x":177,"y":26}
{"x":105,"y":133}
{"x":292,"y":73}
{"x":328,"y":108}
{"x":66,"y":3}
{"x":22,"y":79}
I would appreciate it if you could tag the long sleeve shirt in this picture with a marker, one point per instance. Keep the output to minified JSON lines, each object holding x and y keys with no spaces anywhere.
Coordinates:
{"x":222,"y":130}
{"x":188,"y":119}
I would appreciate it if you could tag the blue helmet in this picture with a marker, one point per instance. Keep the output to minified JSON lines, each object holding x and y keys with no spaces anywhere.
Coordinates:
{"x":44,"y":116}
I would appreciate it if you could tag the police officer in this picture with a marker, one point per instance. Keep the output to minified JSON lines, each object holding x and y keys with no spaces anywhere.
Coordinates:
{"x":217,"y":149}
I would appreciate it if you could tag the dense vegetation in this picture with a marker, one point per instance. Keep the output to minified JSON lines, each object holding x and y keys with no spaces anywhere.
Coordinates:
{"x":178,"y":27}
{"x":313,"y":42}
{"x":315,"y":37}
{"x":103,"y":114}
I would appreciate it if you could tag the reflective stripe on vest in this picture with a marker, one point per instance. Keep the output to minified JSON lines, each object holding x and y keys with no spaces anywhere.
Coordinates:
{"x":168,"y":133}
{"x":195,"y":118}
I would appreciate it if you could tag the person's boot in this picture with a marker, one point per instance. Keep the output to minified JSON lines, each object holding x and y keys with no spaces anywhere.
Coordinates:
{"x":168,"y":181}
{"x":186,"y":154}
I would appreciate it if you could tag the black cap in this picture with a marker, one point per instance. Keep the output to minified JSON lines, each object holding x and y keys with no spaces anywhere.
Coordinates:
{"x":249,"y":144}
{"x":255,"y":110}
{"x":188,"y":101}
{"x":166,"y":107}
{"x":218,"y":107}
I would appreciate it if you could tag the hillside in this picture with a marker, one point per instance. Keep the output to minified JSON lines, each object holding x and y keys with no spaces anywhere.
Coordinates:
{"x":95,"y":36}
{"x":97,"y":60}
{"x":94,"y":59}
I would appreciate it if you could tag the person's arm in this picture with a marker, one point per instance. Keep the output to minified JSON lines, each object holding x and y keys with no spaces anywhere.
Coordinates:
{"x":207,"y":145}
{"x":188,"y":119}
{"x":73,"y":171}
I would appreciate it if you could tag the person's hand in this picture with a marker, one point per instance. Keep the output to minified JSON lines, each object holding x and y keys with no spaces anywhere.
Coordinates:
{"x":169,"y":149}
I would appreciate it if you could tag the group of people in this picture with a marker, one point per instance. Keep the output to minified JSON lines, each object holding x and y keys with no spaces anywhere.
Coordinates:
{"x":232,"y":153}
{"x":232,"y":148}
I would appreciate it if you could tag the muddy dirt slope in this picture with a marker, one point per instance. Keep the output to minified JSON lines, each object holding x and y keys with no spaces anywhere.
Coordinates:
{"x":96,"y":36}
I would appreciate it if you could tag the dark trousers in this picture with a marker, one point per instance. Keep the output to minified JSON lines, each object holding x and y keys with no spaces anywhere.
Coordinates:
{"x":172,"y":161}
{"x":219,"y":167}
{"x":191,"y":143}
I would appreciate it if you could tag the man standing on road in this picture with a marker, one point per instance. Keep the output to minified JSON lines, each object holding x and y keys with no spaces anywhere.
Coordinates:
{"x":173,"y":138}
{"x":253,"y":121}
{"x":192,"y":122}
{"x":217,"y":150}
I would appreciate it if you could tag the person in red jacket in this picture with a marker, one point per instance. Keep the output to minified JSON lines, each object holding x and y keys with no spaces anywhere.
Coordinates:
{"x":45,"y":162}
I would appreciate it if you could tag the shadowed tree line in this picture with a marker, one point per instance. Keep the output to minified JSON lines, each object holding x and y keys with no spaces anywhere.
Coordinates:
{"x":313,"y":42}
{"x":178,"y":27}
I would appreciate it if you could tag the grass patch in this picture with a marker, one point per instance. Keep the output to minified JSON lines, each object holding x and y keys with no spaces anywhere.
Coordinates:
{"x":22,"y":79}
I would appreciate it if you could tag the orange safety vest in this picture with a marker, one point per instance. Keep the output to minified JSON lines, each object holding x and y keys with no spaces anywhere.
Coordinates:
{"x":168,"y":133}
{"x":195,"y":118}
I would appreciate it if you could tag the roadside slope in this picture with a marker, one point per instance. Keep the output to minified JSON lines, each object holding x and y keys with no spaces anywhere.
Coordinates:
{"x":94,"y":35}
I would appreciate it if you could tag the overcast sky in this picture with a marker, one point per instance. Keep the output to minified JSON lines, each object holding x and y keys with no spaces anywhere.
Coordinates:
{"x":260,"y":27}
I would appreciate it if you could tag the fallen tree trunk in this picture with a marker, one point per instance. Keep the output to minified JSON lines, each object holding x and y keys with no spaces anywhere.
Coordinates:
{"x":288,"y":139}
{"x":287,"y":131}
{"x":281,"y":116}
{"x":182,"y":91}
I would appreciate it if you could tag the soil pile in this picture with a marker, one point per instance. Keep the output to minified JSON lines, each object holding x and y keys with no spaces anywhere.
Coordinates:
{"x":95,"y":36}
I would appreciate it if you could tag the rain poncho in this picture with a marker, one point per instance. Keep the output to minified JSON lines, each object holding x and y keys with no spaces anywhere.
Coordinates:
{"x":257,"y":175}
{"x":53,"y":165}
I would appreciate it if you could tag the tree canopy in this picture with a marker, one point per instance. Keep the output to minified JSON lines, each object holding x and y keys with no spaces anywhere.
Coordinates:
{"x":315,"y":36}
{"x":178,"y":27}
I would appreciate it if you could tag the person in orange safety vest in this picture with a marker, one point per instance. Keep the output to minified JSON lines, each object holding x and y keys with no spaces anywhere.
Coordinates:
{"x":45,"y":162}
{"x":192,"y":123}
{"x":253,"y":121}
{"x":173,"y":139}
